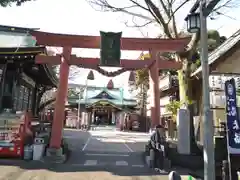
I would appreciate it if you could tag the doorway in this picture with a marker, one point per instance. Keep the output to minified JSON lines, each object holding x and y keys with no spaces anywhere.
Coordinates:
{"x":105,"y":118}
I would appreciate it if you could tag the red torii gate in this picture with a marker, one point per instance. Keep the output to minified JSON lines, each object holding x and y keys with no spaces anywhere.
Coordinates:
{"x":155,"y":63}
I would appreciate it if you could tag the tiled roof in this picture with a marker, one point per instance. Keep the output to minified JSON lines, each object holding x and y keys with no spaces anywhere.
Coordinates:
{"x":17,"y":40}
{"x":93,"y":91}
{"x":221,"y":50}
{"x":117,"y":97}
{"x":114,"y":101}
{"x":7,"y":28}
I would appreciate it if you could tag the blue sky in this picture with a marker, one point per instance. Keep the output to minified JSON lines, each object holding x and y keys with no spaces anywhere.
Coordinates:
{"x":78,"y":17}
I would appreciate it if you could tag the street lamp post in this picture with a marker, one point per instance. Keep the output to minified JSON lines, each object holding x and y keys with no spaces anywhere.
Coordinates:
{"x":196,"y":22}
{"x":86,"y":101}
{"x":90,"y":76}
{"x":79,"y":108}
{"x":208,"y":150}
{"x":193,"y":22}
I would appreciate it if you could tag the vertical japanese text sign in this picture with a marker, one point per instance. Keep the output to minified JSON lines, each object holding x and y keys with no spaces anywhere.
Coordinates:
{"x":110,"y":46}
{"x":232,"y":117}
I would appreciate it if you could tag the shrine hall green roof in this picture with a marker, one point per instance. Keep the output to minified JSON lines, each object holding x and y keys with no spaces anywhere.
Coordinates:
{"x":16,"y":37}
{"x":92,"y":95}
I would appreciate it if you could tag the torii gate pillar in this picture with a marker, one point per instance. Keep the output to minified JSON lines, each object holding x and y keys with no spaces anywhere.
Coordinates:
{"x":154,"y":91}
{"x":59,"y":110}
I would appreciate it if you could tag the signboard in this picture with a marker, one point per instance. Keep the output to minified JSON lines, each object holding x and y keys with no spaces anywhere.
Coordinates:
{"x":9,"y":130}
{"x":233,"y":123}
{"x":110,"y":46}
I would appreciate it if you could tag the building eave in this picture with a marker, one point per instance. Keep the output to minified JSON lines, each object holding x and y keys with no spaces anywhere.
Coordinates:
{"x":29,"y":51}
{"x":51,"y":75}
{"x":223,"y":49}
{"x":16,"y":29}
{"x":21,"y":50}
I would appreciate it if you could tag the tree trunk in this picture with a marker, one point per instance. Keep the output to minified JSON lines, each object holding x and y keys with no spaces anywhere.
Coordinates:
{"x":186,"y":97}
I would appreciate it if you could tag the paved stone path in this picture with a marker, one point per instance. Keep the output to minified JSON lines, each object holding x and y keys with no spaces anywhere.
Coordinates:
{"x":95,"y":156}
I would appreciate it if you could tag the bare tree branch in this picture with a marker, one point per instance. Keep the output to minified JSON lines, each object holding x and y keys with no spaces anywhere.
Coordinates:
{"x":166,"y":10}
{"x":158,"y":16}
{"x":139,"y":5}
{"x":227,"y":4}
{"x":108,"y":7}
{"x":219,"y":13}
{"x":137,"y":25}
{"x":174,"y":24}
{"x":177,"y":9}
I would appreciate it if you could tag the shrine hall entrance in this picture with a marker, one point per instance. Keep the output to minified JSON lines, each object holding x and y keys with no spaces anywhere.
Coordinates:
{"x":104,"y":112}
{"x":103,"y":117}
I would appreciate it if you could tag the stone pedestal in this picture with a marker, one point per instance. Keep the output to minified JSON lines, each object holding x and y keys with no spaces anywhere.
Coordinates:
{"x":183,"y":131}
{"x":54,"y":155}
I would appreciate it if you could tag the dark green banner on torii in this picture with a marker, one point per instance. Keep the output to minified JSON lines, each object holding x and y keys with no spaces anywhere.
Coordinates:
{"x":110,"y":53}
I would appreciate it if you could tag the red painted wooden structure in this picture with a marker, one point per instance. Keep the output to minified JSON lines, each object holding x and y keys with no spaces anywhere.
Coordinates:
{"x":155,"y":63}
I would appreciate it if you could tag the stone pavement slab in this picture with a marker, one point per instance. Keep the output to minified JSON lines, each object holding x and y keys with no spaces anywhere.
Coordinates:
{"x":76,"y":138}
{"x":70,"y":172}
{"x":11,"y":172}
{"x":93,"y":157}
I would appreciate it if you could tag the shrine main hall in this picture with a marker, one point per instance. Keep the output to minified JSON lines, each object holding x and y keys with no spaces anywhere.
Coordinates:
{"x":106,"y":104}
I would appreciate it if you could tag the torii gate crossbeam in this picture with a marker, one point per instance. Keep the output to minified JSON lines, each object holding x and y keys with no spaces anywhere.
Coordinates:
{"x":92,"y":63}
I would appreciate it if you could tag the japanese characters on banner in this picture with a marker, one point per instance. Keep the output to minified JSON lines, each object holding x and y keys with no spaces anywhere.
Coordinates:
{"x":233,"y":123}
